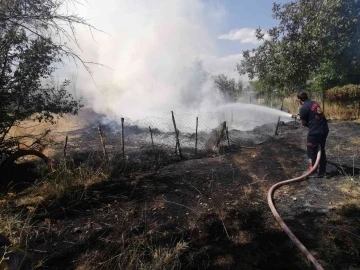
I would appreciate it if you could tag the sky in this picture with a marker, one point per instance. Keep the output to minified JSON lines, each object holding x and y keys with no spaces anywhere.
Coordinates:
{"x":152,"y":49}
{"x":243,"y":14}
{"x":239,"y":19}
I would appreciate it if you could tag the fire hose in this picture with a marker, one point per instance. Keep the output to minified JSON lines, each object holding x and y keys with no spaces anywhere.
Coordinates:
{"x":286,"y":229}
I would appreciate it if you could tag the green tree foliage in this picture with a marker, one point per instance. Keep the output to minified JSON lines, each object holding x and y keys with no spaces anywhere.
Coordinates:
{"x":31,"y":42}
{"x":259,"y":88}
{"x":229,"y":87}
{"x":316,"y":44}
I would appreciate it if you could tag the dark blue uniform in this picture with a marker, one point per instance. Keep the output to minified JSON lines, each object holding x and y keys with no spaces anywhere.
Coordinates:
{"x":315,"y":120}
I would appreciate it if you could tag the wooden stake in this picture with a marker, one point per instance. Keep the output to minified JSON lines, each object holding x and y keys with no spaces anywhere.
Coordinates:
{"x":177,"y":143}
{"x":122,"y":137}
{"x":222,"y":134}
{"x":196,"y":134}
{"x":103,"y":143}
{"x":177,"y":135}
{"x":323,"y":100}
{"x":65,"y":145}
{"x":277,"y":126}
{"x":227,"y":134}
{"x":278,"y":122}
{"x":153,"y":146}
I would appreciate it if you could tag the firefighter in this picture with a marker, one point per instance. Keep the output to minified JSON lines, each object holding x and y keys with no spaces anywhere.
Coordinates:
{"x":312,"y":116}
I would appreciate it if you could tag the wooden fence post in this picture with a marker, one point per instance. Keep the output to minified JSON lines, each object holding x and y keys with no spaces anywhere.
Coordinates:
{"x":196,"y":134}
{"x":323,"y":101}
{"x":176,"y":144}
{"x":153,"y":146}
{"x":122,"y":137}
{"x":227,"y":134}
{"x":177,"y":147}
{"x":277,"y":126}
{"x":278,"y":122}
{"x":177,"y":135}
{"x":103,"y":143}
{"x":222,"y":134}
{"x":65,"y":145}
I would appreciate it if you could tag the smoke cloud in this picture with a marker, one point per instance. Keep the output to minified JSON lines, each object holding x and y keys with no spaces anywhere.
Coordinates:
{"x":154,"y":49}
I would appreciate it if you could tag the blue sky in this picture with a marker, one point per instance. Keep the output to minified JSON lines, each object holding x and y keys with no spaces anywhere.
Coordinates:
{"x":232,"y":25}
{"x":244,"y":14}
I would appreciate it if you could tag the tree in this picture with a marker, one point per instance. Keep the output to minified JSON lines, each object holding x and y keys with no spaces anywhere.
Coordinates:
{"x":230,"y":88}
{"x":259,"y":88}
{"x":266,"y":64}
{"x":315,"y":45}
{"x":33,"y":37}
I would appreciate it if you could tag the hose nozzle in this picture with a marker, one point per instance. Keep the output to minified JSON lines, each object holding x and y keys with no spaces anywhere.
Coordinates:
{"x":296,"y":116}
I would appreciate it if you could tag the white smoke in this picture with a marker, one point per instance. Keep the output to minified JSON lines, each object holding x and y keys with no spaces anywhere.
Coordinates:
{"x":152,"y":49}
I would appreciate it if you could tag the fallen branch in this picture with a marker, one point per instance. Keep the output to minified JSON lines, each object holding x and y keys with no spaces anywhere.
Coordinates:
{"x":21,"y":153}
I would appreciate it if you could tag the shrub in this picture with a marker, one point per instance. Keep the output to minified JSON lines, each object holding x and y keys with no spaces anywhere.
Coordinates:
{"x":345,"y":93}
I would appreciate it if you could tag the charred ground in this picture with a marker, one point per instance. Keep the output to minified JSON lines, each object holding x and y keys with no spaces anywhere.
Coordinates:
{"x":204,"y":213}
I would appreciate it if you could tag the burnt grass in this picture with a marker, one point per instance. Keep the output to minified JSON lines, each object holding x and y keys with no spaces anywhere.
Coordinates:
{"x":215,"y":204}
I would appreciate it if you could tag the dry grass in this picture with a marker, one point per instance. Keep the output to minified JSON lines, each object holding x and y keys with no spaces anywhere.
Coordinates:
{"x":63,"y":181}
{"x":351,"y":185}
{"x":68,"y":176}
{"x":128,"y":248}
{"x":291,"y":104}
{"x":332,"y":110}
{"x":46,"y":134}
{"x":17,"y":229}
{"x":141,"y":252}
{"x":66,"y":180}
{"x":63,"y":124}
{"x":125,"y":249}
{"x":138,"y":255}
{"x":336,"y":111}
{"x":355,"y":141}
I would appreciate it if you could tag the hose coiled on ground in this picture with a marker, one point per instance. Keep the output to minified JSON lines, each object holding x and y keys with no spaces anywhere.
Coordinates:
{"x":286,"y":229}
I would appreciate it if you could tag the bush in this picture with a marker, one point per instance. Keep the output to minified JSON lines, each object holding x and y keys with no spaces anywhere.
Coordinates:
{"x":345,"y":93}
